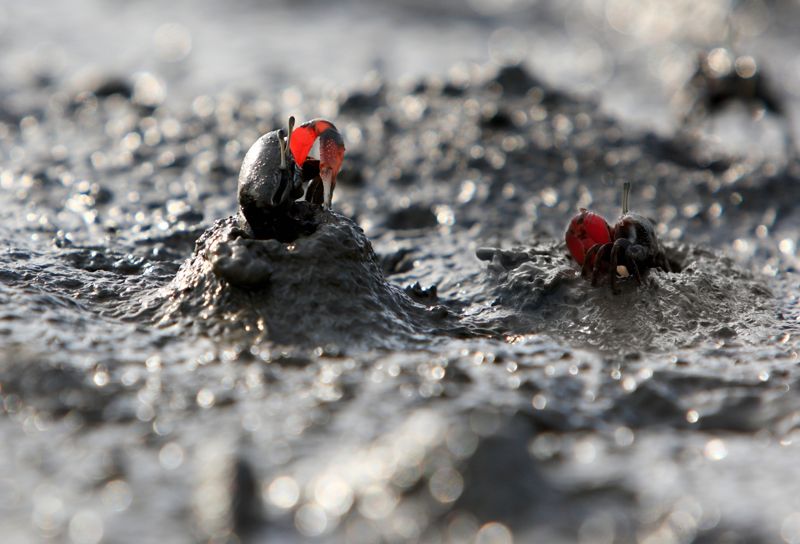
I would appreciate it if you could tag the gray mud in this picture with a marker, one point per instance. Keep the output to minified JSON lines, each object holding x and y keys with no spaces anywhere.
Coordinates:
{"x":427,"y":364}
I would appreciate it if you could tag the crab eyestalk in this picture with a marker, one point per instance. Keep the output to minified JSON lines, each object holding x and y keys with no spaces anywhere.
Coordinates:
{"x":626,"y":191}
{"x":286,"y":146}
{"x":331,"y":152}
{"x":283,"y":147}
{"x":289,"y":137}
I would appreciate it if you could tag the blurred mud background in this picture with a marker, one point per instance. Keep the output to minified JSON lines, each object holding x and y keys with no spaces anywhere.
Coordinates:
{"x":427,"y":365}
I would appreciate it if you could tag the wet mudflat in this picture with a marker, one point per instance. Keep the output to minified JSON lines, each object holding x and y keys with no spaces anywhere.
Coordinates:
{"x":427,"y":365}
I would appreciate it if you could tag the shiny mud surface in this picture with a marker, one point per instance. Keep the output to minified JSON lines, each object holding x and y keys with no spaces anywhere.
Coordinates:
{"x":427,"y":365}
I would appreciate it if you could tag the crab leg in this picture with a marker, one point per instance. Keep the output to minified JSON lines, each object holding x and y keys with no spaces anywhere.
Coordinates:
{"x":620,"y":246}
{"x":598,"y":262}
{"x":587,"y":259}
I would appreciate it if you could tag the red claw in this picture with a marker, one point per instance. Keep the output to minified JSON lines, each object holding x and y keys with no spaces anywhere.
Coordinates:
{"x":303,"y":138}
{"x":331,"y":151}
{"x":586,"y":230}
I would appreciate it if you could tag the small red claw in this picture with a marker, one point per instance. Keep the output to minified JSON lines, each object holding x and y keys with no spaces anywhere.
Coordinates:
{"x":331,"y":151}
{"x":586,"y":229}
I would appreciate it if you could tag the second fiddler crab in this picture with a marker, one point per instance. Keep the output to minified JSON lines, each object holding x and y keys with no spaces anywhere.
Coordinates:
{"x":630,"y":248}
{"x":276,"y":167}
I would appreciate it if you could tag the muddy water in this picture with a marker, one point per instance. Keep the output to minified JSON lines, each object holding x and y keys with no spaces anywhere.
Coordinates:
{"x":427,"y":365}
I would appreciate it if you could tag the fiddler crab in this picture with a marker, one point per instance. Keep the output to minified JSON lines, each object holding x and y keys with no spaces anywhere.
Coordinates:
{"x":629,"y":249}
{"x":276,"y":167}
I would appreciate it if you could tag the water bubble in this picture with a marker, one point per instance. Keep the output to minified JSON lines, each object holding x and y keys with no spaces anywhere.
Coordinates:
{"x":494,"y":533}
{"x":624,"y":437}
{"x":715,"y":450}
{"x":461,"y":442}
{"x":283,"y":492}
{"x":446,"y":485}
{"x":545,"y":446}
{"x":171,"y":456}
{"x":715,"y":210}
{"x":746,"y":66}
{"x":86,"y":527}
{"x":311,"y":520}
{"x":377,"y":502}
{"x":413,"y":107}
{"x":741,"y":246}
{"x":206,"y":398}
{"x":117,"y":495}
{"x":719,"y":61}
{"x":690,"y":210}
{"x":145,"y":412}
{"x":101,"y":378}
{"x":171,"y":128}
{"x":148,"y":90}
{"x":549,"y":197}
{"x":406,"y":476}
{"x":131,"y":141}
{"x":629,"y":384}
{"x":152,"y":136}
{"x":562,"y":124}
{"x":153,"y":363}
{"x":203,"y":106}
{"x":48,"y":508}
{"x":333,"y":494}
{"x":437,"y":372}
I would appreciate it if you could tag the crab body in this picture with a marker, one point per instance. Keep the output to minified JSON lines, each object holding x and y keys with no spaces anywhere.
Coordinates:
{"x":630,"y":248}
{"x":268,"y":184}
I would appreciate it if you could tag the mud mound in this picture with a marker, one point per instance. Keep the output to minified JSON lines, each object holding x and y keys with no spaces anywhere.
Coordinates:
{"x":540,"y":290}
{"x":327,"y":287}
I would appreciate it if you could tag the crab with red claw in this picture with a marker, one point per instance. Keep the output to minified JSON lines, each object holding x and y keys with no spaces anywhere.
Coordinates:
{"x":630,"y":248}
{"x":276,"y":167}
